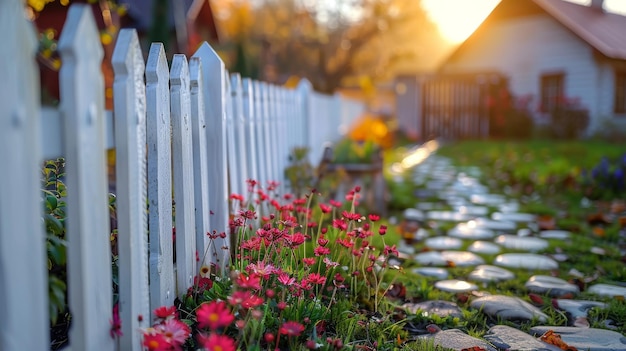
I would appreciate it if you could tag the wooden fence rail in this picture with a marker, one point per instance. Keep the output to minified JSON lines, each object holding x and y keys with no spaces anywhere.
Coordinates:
{"x":187,"y":134}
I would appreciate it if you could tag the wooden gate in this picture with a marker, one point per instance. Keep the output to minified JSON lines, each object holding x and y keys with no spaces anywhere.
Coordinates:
{"x":448,"y":106}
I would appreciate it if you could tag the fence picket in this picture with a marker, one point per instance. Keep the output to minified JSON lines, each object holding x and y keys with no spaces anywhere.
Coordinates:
{"x":162,"y":284}
{"x":250,"y":127}
{"x":261,"y":152}
{"x":200,"y":161}
{"x":182,"y":163}
{"x":131,"y":187}
{"x":82,"y":106}
{"x":214,"y":77}
{"x":240,"y":132}
{"x":23,"y":279}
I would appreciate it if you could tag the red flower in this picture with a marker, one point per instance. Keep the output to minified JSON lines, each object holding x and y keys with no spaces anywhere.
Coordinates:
{"x":335,"y":203}
{"x":236,"y":197}
{"x":116,"y":322}
{"x":382,"y":230}
{"x":294,"y":240}
{"x":155,"y":341}
{"x":374,"y":217}
{"x":340,"y":224}
{"x":309,"y":261}
{"x":316,"y":278}
{"x":252,"y":301}
{"x":351,"y":216}
{"x":322,"y":241}
{"x":165,"y":312}
{"x":321,"y":251}
{"x":215,"y":342}
{"x":390,"y":249}
{"x":291,"y":328}
{"x":325,"y":208}
{"x":347,"y":243}
{"x":214,"y":315}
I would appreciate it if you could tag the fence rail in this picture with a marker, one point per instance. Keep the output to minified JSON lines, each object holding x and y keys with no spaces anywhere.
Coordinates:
{"x":190,"y":134}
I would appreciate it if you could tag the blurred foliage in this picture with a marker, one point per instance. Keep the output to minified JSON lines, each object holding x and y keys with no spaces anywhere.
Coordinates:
{"x":331,"y":44}
{"x":350,"y":151}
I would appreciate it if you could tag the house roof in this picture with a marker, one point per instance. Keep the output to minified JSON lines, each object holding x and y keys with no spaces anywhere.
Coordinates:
{"x":604,"y":31}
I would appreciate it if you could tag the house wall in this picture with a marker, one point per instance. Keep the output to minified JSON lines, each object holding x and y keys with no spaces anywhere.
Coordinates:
{"x":525,"y":48}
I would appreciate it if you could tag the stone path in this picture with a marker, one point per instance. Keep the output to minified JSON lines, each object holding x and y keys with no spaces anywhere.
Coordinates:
{"x":499,"y":241}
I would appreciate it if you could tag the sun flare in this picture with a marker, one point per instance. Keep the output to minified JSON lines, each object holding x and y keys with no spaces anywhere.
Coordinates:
{"x":457,"y":19}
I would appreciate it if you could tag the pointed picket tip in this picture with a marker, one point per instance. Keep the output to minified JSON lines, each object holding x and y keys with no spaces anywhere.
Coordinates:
{"x":156,"y":67}
{"x":127,"y":53}
{"x":195,"y":72}
{"x":304,"y":85}
{"x":80,"y":37}
{"x":180,"y":71}
{"x":209,"y":57}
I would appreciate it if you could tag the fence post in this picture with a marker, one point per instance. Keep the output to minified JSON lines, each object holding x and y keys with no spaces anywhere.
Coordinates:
{"x":182,"y":156}
{"x":304,"y":91}
{"x":88,"y":252}
{"x":259,"y":118}
{"x":129,"y":92}
{"x":215,"y":113}
{"x":200,"y":161}
{"x":23,"y":280}
{"x":162,"y":285}
{"x":250,"y":128}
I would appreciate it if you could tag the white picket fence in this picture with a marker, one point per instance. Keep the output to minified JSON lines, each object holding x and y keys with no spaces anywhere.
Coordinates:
{"x":191,"y":130}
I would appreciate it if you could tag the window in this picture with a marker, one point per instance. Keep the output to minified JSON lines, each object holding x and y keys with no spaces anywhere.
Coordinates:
{"x":551,"y":91}
{"x":619,"y":104}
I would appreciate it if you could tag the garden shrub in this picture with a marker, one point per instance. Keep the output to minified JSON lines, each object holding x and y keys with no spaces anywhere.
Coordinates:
{"x":569,"y":121}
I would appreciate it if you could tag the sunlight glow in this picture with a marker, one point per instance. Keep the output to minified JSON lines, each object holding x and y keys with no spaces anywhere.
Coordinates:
{"x":457,"y":19}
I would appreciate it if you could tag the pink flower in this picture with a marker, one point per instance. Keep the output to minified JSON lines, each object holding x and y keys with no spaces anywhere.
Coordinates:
{"x":390,"y":249}
{"x":374,"y":217}
{"x":335,"y":203}
{"x":116,"y":322}
{"x":321,"y":251}
{"x":340,"y":224}
{"x":294,"y":240}
{"x":285,"y":279}
{"x":175,"y":331}
{"x":325,"y":208}
{"x":165,"y":312}
{"x":316,"y":278}
{"x":291,"y":328}
{"x":214,"y":315}
{"x":215,"y":342}
{"x":309,"y":261}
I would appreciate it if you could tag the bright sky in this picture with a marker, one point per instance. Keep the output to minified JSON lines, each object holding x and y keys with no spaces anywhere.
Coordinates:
{"x":457,"y":19}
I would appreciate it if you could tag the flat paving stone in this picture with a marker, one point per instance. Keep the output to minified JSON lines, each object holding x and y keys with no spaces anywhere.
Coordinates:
{"x":525,"y":260}
{"x":607,"y":290}
{"x":457,"y":340}
{"x":488,"y":273}
{"x":443,"y":243}
{"x":484,"y":247}
{"x":527,"y":243}
{"x":455,"y":286}
{"x":555,"y":234}
{"x":436,"y":272}
{"x":444,"y":258}
{"x":448,"y":216}
{"x":488,"y":199}
{"x":440,"y":308}
{"x":589,"y":339}
{"x":513,"y":216}
{"x":428,"y":206}
{"x":509,"y":207}
{"x":577,"y":308}
{"x":506,"y":226}
{"x":508,"y":338}
{"x":472,"y":210}
{"x":508,"y":308}
{"x":470,"y":231}
{"x":552,"y":286}
{"x":413,"y":214}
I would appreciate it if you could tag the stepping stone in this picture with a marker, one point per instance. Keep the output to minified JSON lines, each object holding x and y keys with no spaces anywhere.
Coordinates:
{"x":577,"y":308}
{"x":487,"y":273}
{"x":607,"y":290}
{"x":436,"y":184}
{"x":524,"y":232}
{"x":509,"y":207}
{"x":488,"y":199}
{"x":470,"y":231}
{"x":473,"y":210}
{"x":444,"y":258}
{"x":448,"y":216}
{"x":589,"y":339}
{"x":413,"y":214}
{"x":427,"y":206}
{"x":506,"y":226}
{"x":513,"y":216}
{"x":526,"y":243}
{"x":525,"y":260}
{"x":425,"y":193}
{"x":508,"y":308}
{"x":555,"y":234}
{"x":507,"y":338}
{"x":436,"y":272}
{"x":443,"y":243}
{"x":458,"y":340}
{"x":484,"y":247}
{"x":552,"y":286}
{"x":455,"y":286}
{"x":435,"y":307}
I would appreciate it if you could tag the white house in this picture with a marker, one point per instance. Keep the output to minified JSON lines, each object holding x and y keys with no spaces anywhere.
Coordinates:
{"x":553,"y":48}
